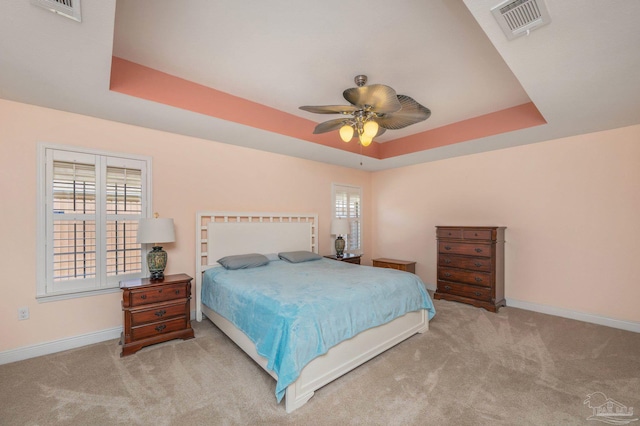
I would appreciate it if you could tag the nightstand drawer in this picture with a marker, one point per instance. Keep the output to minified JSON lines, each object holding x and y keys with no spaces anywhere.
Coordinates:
{"x":400,"y":265}
{"x":470,"y":291}
{"x":158,"y":313}
{"x":158,"y":294}
{"x":463,"y":262}
{"x":158,"y":328}
{"x":379,"y":264}
{"x":473,"y":249}
{"x":467,"y":277}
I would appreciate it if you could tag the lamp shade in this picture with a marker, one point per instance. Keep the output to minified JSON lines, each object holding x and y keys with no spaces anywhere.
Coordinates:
{"x":340,"y":227}
{"x":155,"y":230}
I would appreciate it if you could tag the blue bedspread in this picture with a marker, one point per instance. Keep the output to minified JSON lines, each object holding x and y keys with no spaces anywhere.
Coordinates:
{"x":296,"y":312}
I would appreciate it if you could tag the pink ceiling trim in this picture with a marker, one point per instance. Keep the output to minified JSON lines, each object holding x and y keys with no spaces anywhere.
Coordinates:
{"x":506,"y":120}
{"x":146,"y":83}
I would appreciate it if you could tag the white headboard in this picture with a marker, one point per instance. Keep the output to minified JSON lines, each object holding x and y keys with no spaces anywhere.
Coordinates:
{"x":220,"y":234}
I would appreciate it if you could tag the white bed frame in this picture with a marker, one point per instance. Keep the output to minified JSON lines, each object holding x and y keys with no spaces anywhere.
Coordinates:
{"x":221,"y":234}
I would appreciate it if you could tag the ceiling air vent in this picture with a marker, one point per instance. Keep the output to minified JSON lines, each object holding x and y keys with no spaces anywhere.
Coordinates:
{"x":68,"y":8}
{"x":518,"y":17}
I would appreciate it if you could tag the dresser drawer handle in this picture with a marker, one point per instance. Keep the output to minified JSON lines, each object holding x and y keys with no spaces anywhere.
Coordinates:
{"x":447,"y":261}
{"x":478,"y":279}
{"x":478,"y":294}
{"x":478,"y":250}
{"x":160,"y":290}
{"x":160,"y":327}
{"x":178,"y":291}
{"x":447,"y":247}
{"x":160,"y":313}
{"x":478,"y":264}
{"x":144,"y":296}
{"x":447,"y":287}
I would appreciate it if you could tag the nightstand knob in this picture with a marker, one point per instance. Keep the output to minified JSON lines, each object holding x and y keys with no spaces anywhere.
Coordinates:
{"x":447,"y":247}
{"x":447,"y":274}
{"x":478,"y":250}
{"x":160,"y":327}
{"x":177,"y":291}
{"x":478,"y":264}
{"x":478,"y":279}
{"x":447,"y":287}
{"x":144,"y":296}
{"x":160,"y":313}
{"x":447,"y":261}
{"x":478,"y":294}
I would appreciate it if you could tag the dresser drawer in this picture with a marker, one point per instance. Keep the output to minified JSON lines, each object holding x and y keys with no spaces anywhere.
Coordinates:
{"x":468,"y":277}
{"x":470,"y":249}
{"x":158,"y":313}
{"x":477,"y":234}
{"x":449,"y":233}
{"x":482,"y":264}
{"x":158,"y":328}
{"x":158,"y":294}
{"x":464,"y":290}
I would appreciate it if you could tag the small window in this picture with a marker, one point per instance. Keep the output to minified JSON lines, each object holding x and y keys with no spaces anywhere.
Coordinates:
{"x":347,"y":202}
{"x":89,"y":206}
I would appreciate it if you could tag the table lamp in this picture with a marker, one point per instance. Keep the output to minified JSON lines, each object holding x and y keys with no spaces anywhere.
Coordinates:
{"x":339,"y":227}
{"x":155,"y":231}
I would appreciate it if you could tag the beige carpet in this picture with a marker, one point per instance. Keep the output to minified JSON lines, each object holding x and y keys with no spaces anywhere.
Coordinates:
{"x":472,"y":368}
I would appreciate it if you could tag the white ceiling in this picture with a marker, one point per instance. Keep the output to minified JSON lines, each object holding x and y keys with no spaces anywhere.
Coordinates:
{"x":581,"y":71}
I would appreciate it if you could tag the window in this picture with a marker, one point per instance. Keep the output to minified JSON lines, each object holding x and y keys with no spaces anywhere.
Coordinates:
{"x":347,"y":205}
{"x":89,"y":206}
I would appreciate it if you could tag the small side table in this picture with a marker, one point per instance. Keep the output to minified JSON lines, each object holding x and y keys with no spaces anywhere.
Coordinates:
{"x":349,"y":258}
{"x":155,"y":311}
{"x":401,"y":265}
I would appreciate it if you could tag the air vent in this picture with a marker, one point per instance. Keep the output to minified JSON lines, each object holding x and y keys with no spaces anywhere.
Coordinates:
{"x":68,"y":8}
{"x":519,"y":17}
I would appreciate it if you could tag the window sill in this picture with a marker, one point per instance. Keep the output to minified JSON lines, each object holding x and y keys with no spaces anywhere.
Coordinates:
{"x":43,"y":298}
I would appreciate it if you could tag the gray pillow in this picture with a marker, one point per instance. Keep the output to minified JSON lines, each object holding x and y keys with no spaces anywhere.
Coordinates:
{"x":298,"y":256}
{"x":243,"y":261}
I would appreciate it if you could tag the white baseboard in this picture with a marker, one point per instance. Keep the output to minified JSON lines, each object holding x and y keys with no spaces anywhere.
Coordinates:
{"x":67,"y":343}
{"x":580,"y":316}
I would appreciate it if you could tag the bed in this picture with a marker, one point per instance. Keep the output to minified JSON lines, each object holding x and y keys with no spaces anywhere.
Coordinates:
{"x":220,"y":234}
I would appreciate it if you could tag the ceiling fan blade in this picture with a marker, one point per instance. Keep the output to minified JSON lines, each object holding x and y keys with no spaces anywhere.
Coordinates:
{"x":330,"y":109}
{"x":380,"y":98}
{"x":330,"y":125}
{"x":411,"y":113}
{"x":381,"y":130}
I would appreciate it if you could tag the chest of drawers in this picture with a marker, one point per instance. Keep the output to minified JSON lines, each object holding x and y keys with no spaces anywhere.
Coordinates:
{"x":155,"y":311}
{"x":471,"y":265}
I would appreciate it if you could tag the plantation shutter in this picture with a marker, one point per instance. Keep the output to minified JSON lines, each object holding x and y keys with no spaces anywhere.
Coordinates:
{"x":92,"y":205}
{"x":347,"y":205}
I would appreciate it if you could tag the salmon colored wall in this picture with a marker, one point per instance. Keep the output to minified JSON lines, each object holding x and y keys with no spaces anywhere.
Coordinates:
{"x":571,"y":207}
{"x":189,"y":174}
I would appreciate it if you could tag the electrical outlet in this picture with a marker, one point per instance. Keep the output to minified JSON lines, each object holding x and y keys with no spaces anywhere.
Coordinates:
{"x":23,"y":314}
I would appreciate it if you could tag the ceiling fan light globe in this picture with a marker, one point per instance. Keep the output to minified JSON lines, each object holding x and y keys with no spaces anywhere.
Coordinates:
{"x":370,"y":129}
{"x":365,"y":140}
{"x":346,"y":133}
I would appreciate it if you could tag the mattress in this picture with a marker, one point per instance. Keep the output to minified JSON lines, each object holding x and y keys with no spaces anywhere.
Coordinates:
{"x":295,"y":312}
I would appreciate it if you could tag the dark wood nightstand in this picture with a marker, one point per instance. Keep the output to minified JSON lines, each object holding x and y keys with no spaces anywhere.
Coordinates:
{"x":349,"y":258}
{"x":155,"y":311}
{"x":401,"y":265}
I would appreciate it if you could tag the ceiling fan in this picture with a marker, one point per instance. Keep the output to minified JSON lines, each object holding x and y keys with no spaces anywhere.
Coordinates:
{"x":373,"y":110}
